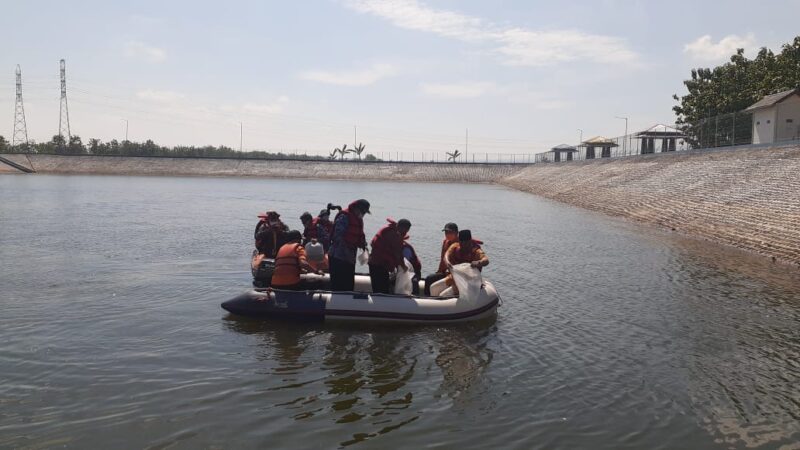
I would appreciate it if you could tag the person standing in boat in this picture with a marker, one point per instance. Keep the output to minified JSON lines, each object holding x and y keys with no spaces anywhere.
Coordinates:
{"x":387,"y":254}
{"x":450,"y":237}
{"x":270,"y":234}
{"x":309,"y":231}
{"x":347,"y":238}
{"x":323,"y":227}
{"x":466,"y":250}
{"x":290,"y":262}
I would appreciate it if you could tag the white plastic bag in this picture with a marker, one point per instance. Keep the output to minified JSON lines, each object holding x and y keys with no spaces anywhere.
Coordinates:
{"x":468,"y":280}
{"x":363,"y":258}
{"x":403,"y":283}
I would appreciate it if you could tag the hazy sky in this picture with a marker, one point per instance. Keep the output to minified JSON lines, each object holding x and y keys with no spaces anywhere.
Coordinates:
{"x":522,"y":76}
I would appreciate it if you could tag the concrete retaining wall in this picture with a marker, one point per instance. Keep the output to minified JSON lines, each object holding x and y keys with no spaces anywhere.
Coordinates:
{"x":461,"y":173}
{"x":747,"y":198}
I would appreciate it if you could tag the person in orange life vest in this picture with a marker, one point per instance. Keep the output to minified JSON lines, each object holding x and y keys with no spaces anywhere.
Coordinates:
{"x":387,"y":254}
{"x":290,"y":263}
{"x":270,"y":233}
{"x":411,"y":255}
{"x":347,"y":238}
{"x":450,"y":238}
{"x":309,"y":231}
{"x":466,"y":250}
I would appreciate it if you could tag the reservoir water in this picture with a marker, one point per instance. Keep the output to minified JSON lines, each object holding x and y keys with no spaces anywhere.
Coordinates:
{"x":611,"y":334}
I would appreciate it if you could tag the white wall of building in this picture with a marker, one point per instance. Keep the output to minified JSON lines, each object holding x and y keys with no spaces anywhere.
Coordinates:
{"x":764,"y":125}
{"x":787,"y":122}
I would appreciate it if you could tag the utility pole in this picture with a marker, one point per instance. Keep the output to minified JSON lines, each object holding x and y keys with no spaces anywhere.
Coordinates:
{"x":624,"y":138}
{"x":355,"y":136}
{"x":241,"y":136}
{"x":466,"y":145}
{"x":580,"y":139}
{"x":20,"y":134}
{"x":126,"y":129}
{"x":63,"y":116}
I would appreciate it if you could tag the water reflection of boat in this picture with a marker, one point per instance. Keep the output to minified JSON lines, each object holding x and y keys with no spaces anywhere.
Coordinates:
{"x":362,"y":304}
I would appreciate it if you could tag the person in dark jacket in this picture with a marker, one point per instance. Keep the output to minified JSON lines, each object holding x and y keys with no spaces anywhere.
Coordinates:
{"x":309,"y":231}
{"x":387,"y":254}
{"x":347,"y":238}
{"x":450,"y":237}
{"x":270,"y":234}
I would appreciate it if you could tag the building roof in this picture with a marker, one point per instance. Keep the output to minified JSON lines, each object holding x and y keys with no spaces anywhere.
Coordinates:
{"x":773,"y":99}
{"x":660,"y":130}
{"x":599,"y":141}
{"x":564,"y":148}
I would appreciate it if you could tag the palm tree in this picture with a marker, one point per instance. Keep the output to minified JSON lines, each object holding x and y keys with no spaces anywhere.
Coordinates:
{"x":452,"y":156}
{"x":343,"y":151}
{"x":333,"y":154}
{"x":359,"y":150}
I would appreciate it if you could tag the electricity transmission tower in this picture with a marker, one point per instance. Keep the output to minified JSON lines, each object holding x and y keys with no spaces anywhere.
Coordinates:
{"x":20,"y":135}
{"x":63,"y":117}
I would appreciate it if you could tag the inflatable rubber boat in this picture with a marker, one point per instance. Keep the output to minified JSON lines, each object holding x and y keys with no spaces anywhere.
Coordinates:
{"x":362,"y":304}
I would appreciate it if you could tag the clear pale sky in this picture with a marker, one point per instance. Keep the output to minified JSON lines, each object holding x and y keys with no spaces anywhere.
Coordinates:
{"x":522,"y":76}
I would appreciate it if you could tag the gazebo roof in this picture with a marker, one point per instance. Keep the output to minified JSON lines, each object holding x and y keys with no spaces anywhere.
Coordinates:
{"x":770,"y":100}
{"x":660,"y":131}
{"x":599,"y":141}
{"x":564,"y":148}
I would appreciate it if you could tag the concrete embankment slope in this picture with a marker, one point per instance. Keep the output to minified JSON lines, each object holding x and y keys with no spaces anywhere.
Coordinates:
{"x":338,"y":170}
{"x":747,"y":198}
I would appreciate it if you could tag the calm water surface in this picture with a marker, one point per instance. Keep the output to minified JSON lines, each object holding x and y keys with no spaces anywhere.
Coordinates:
{"x":611,"y":335}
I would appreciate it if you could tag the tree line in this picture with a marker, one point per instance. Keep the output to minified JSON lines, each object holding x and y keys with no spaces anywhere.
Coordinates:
{"x":733,"y":86}
{"x":75,"y":146}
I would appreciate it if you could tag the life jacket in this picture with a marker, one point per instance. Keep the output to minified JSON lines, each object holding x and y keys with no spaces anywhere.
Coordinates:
{"x":326,"y":227}
{"x":387,"y":247}
{"x":461,"y":256}
{"x":270,"y":238}
{"x":354,"y":234}
{"x":287,"y":266}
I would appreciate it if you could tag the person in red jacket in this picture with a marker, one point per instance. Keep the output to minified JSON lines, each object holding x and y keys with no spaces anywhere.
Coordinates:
{"x":387,"y":253}
{"x":348,"y":237}
{"x":450,"y":238}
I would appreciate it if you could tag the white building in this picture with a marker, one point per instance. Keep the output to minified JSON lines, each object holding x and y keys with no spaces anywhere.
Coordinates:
{"x":776,"y":117}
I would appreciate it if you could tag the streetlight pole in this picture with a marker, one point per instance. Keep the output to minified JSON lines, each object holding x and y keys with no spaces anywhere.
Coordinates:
{"x":624,"y":138}
{"x":241,"y":136}
{"x":126,"y":128}
{"x":580,"y":140}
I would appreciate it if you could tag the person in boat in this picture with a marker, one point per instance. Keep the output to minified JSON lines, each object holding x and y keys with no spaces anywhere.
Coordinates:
{"x":323,"y":227}
{"x":347,"y":238}
{"x":309,"y":231}
{"x":317,"y":258}
{"x":466,"y":250}
{"x":270,"y":234}
{"x":387,"y":254}
{"x":450,"y":237}
{"x":411,"y":255}
{"x":290,"y":263}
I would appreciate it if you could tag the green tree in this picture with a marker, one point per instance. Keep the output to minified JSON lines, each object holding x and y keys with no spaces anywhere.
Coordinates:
{"x":4,"y":147}
{"x":75,"y":146}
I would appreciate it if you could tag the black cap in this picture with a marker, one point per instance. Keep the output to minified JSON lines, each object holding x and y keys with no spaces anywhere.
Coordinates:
{"x":305,"y":216}
{"x":464,"y":235}
{"x":450,"y":227}
{"x":363,"y":205}
{"x":293,"y":235}
{"x":405,"y":223}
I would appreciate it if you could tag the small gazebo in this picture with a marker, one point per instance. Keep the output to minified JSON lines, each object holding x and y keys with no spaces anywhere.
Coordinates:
{"x":665,"y":134}
{"x":603,"y":143}
{"x":566,"y":149}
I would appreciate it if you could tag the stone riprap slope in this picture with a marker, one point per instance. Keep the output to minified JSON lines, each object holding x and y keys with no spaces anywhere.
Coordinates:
{"x":747,"y":198}
{"x":451,"y":173}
